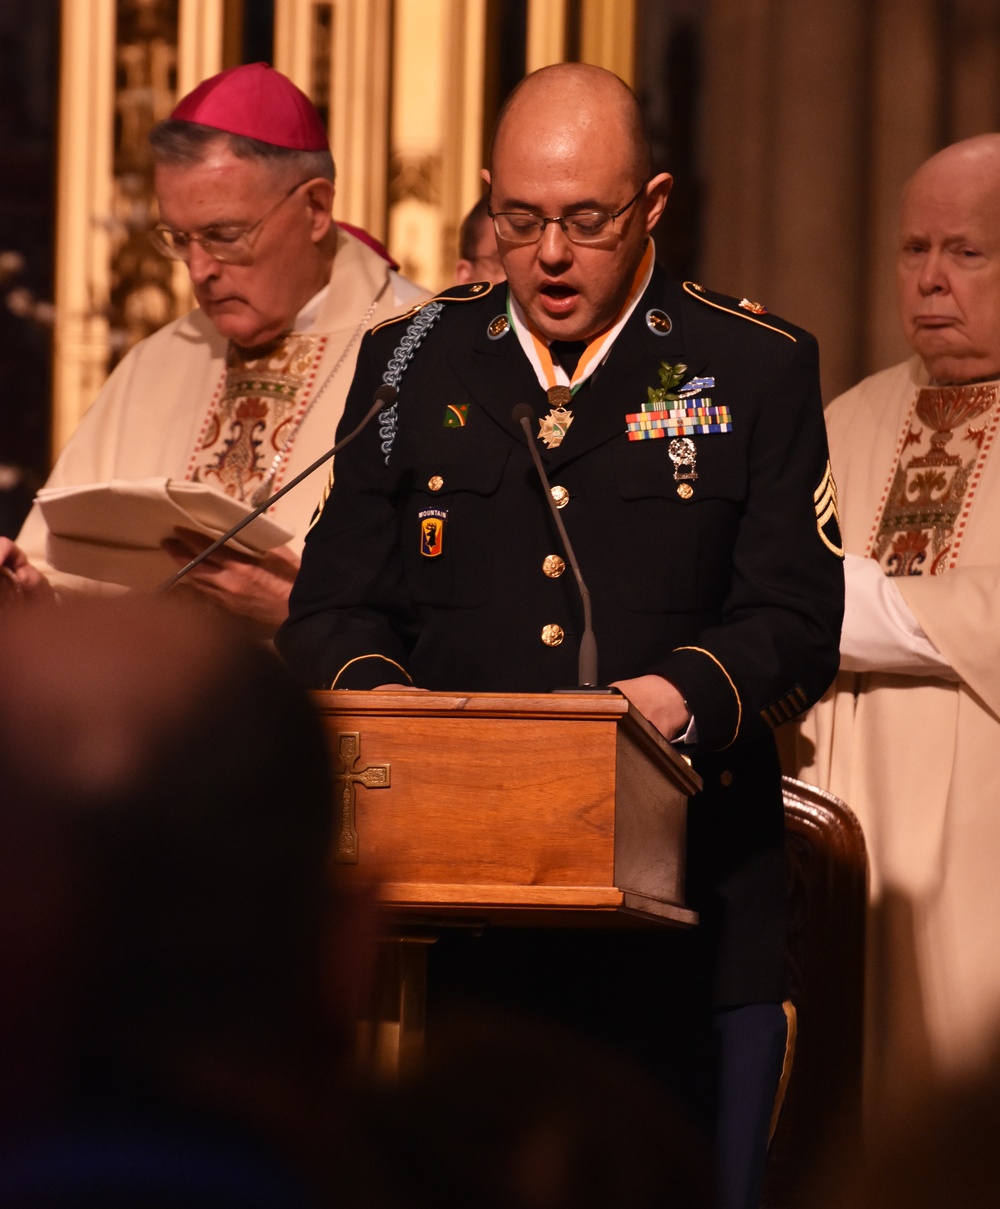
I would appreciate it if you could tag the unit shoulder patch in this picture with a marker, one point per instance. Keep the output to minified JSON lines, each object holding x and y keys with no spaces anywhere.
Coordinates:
{"x":743,"y":308}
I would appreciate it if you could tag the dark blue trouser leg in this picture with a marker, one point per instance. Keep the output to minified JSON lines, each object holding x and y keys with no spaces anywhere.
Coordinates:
{"x":751,"y":1051}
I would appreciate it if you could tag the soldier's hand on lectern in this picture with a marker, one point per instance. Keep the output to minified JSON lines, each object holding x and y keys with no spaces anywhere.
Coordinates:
{"x":658,"y":701}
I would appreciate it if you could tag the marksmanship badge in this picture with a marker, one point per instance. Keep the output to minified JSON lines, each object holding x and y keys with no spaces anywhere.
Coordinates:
{"x":684,"y":457}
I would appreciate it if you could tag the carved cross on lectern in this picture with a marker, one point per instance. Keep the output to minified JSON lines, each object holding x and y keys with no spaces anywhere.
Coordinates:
{"x":373,"y":776}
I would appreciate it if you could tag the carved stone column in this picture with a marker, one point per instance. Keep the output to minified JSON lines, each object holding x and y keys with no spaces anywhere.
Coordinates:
{"x":546,"y":41}
{"x":84,"y":187}
{"x":785,"y":215}
{"x":815,"y":114}
{"x":607,"y":36}
{"x":908,"y":94}
{"x":122,"y":63}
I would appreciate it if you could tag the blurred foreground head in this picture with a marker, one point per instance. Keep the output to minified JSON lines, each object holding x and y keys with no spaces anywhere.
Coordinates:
{"x":514,"y":1112}
{"x":164,"y":827}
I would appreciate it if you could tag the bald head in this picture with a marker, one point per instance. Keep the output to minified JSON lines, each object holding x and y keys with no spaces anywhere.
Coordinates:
{"x":580,"y":95}
{"x":975,"y":160}
{"x":948,"y":267}
{"x":570,"y":141}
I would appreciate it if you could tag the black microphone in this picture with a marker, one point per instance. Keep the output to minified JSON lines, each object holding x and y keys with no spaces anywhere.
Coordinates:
{"x":385,"y":396}
{"x":587,"y":660}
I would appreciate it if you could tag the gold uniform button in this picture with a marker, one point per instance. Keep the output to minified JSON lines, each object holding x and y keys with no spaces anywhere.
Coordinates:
{"x":553,"y":566}
{"x":725,"y":779}
{"x":685,"y":491}
{"x":552,"y":635}
{"x":435,"y":482}
{"x":561,"y":496}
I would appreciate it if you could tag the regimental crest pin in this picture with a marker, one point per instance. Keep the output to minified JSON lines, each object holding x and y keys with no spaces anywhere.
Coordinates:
{"x":432,"y":531}
{"x":456,"y":415}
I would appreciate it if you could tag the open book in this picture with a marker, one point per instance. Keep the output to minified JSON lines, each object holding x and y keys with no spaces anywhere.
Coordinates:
{"x":112,"y":531}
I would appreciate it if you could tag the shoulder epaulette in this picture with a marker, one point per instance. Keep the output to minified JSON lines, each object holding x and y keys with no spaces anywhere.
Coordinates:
{"x":741,"y":307}
{"x":454,"y":293}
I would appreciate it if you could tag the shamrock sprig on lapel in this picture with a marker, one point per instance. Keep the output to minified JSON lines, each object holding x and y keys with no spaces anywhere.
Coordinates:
{"x":671,"y":377}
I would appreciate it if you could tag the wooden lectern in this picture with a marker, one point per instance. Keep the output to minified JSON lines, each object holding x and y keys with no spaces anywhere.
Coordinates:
{"x":515,"y":809}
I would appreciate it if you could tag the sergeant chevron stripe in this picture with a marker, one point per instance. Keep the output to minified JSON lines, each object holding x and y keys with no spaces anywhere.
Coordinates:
{"x":827,"y":516}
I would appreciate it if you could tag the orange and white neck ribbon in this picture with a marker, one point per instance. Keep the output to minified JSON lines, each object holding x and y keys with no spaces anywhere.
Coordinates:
{"x":548,"y":371}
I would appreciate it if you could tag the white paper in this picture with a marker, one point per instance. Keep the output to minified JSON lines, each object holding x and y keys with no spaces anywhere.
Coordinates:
{"x":112,"y":531}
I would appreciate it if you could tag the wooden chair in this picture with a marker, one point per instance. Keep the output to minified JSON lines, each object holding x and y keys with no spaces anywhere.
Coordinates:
{"x":828,"y":889}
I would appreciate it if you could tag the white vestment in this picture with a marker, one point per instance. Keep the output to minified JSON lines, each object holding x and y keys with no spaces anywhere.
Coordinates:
{"x":917,"y":756}
{"x":152,"y":414}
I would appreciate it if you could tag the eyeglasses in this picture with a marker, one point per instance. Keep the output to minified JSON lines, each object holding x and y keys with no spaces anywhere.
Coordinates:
{"x":586,"y":226}
{"x":230,"y":245}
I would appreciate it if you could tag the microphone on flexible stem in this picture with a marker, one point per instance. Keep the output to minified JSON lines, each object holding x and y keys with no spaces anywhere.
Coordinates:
{"x":523,"y":415}
{"x":385,"y":396}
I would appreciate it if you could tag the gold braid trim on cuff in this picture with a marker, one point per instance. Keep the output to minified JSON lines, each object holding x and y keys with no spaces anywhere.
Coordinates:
{"x":739,"y":703}
{"x":358,"y":658}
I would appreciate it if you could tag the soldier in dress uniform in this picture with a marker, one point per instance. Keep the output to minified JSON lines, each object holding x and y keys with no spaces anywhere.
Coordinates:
{"x":683,"y":434}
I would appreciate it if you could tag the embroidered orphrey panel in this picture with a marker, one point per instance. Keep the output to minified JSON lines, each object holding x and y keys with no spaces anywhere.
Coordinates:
{"x":939,"y":463}
{"x":253,"y":419}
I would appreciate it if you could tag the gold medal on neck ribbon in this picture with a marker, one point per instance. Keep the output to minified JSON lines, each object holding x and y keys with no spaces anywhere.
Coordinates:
{"x":553,"y":427}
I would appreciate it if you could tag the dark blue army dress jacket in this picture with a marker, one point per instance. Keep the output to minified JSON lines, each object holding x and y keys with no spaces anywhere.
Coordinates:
{"x":431,"y":560}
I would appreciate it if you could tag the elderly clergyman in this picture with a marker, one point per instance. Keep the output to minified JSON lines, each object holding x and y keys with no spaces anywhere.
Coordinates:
{"x":909,"y":734}
{"x":247,"y":389}
{"x":683,"y":434}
